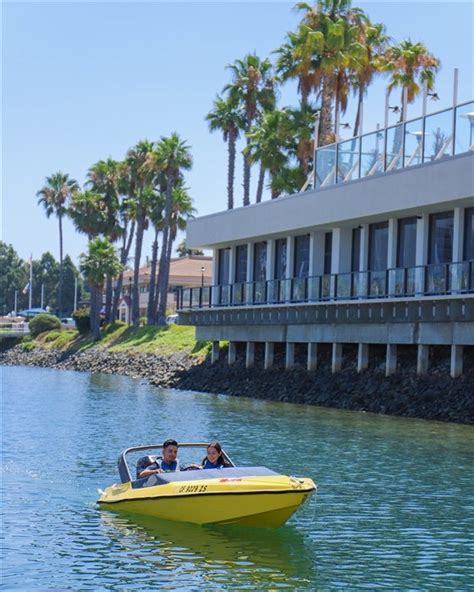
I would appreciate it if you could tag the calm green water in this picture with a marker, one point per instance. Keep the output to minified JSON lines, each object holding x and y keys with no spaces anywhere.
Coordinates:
{"x":395,"y":508}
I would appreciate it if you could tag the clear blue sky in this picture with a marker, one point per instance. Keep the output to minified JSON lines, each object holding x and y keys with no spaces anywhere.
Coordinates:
{"x":85,"y":81}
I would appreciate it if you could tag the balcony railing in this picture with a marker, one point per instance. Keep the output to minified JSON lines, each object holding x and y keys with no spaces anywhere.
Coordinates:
{"x":426,"y":139}
{"x":428,"y":280}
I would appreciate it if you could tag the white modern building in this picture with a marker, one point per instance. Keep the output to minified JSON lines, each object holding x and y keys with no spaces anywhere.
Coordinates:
{"x":379,"y":252}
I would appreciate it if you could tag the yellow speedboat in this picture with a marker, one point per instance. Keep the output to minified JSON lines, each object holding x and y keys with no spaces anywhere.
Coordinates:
{"x":250,"y":496}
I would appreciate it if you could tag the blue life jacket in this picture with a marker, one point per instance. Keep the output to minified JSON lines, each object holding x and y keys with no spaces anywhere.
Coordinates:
{"x":208,"y":465}
{"x":168,"y":467}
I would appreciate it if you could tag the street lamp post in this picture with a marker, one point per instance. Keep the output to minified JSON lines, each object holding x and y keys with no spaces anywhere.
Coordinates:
{"x":203,"y":269}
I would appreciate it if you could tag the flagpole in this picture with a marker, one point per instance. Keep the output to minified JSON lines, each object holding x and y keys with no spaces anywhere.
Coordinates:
{"x":31,"y":283}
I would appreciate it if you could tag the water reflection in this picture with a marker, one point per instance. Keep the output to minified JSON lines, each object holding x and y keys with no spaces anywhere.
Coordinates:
{"x":249,"y":555}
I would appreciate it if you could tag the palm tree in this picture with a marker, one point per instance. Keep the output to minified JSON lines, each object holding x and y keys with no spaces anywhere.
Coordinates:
{"x":411,"y":65}
{"x":334,"y":39}
{"x":375,"y":39}
{"x":126,"y":220}
{"x":172,"y":157}
{"x":252,"y":87}
{"x":54,"y":197}
{"x":184,"y":251}
{"x":302,"y":124}
{"x":99,"y":263}
{"x":88,"y":213}
{"x":157,"y":204}
{"x":141,"y":172}
{"x":269,"y":143}
{"x":104,"y":178}
{"x":229,"y":118}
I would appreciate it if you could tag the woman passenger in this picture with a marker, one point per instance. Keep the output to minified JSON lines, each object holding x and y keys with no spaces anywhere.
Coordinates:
{"x":214,"y":458}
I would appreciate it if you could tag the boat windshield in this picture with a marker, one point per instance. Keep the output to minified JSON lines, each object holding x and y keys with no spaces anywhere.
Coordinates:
{"x":188,"y":453}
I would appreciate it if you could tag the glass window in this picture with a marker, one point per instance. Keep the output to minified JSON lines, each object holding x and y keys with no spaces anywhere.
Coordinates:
{"x":280,"y":259}
{"x":378,"y":246}
{"x":406,"y":246}
{"x":260,"y":262}
{"x":469,"y":234}
{"x":301,"y":269}
{"x":441,"y":238}
{"x":327,"y":252}
{"x":355,"y":260}
{"x":223,"y":267}
{"x":241,"y":264}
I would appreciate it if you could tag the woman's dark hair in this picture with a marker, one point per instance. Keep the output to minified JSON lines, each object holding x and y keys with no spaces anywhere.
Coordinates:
{"x":220,"y":459}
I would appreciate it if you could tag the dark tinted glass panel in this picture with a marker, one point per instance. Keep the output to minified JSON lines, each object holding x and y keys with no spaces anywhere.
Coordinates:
{"x":441,"y":238}
{"x":280,"y":259}
{"x":469,"y":235}
{"x":327,"y":252}
{"x":260,"y":262}
{"x":355,"y":261}
{"x":406,"y":248}
{"x":301,"y":269}
{"x":378,"y":246}
{"x":223,"y":270}
{"x":241,"y":263}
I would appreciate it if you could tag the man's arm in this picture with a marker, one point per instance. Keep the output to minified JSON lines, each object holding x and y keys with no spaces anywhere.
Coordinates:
{"x":150,"y":471}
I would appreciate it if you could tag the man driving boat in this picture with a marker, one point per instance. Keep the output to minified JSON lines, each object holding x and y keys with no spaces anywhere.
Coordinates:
{"x":166,"y":463}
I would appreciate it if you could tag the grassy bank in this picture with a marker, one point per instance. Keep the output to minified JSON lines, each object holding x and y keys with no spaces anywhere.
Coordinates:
{"x":119,"y":337}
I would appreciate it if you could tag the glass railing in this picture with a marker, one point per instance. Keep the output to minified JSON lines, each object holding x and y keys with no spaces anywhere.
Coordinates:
{"x":426,"y":139}
{"x":428,"y":280}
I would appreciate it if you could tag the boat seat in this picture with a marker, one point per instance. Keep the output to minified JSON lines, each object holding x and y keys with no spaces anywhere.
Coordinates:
{"x":145,"y":461}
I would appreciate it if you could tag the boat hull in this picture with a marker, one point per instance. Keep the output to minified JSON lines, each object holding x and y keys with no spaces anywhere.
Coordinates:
{"x":269,"y":504}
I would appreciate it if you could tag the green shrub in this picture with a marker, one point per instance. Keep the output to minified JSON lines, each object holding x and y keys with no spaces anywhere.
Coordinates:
{"x":44,"y":322}
{"x":82,"y":316}
{"x":27,"y":346}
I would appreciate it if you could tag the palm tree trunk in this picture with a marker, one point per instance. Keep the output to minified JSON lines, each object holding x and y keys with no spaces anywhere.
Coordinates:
{"x":123,"y":260}
{"x":246,"y":182}
{"x":136,"y":267}
{"x":325,"y":120}
{"x":164,"y":261}
{"x":96,"y":304}
{"x":261,"y":179}
{"x":231,"y":171}
{"x":152,"y":289}
{"x":359,"y":109}
{"x":108,"y":300}
{"x":60,"y":286}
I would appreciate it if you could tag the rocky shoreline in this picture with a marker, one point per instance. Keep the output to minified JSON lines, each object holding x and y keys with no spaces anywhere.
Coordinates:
{"x":435,"y":396}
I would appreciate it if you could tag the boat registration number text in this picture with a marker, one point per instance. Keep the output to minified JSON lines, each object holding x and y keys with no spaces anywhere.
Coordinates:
{"x":192,"y":488}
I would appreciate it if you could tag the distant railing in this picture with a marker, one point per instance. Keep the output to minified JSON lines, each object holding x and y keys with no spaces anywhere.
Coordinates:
{"x":426,"y":280}
{"x":13,"y":329}
{"x":429,"y":138}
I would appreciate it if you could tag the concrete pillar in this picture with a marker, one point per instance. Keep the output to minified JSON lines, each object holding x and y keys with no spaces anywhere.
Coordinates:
{"x":312,"y":356}
{"x":422,"y":230}
{"x":458,"y":249}
{"x":232,"y":353}
{"x":362,"y":357}
{"x":336,"y":363}
{"x":456,"y":361}
{"x":214,"y":352}
{"x":392,"y":253}
{"x":290,"y":355}
{"x":341,"y":250}
{"x":422,"y":360}
{"x":250,"y":354}
{"x":269,"y":349}
{"x":391,"y":359}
